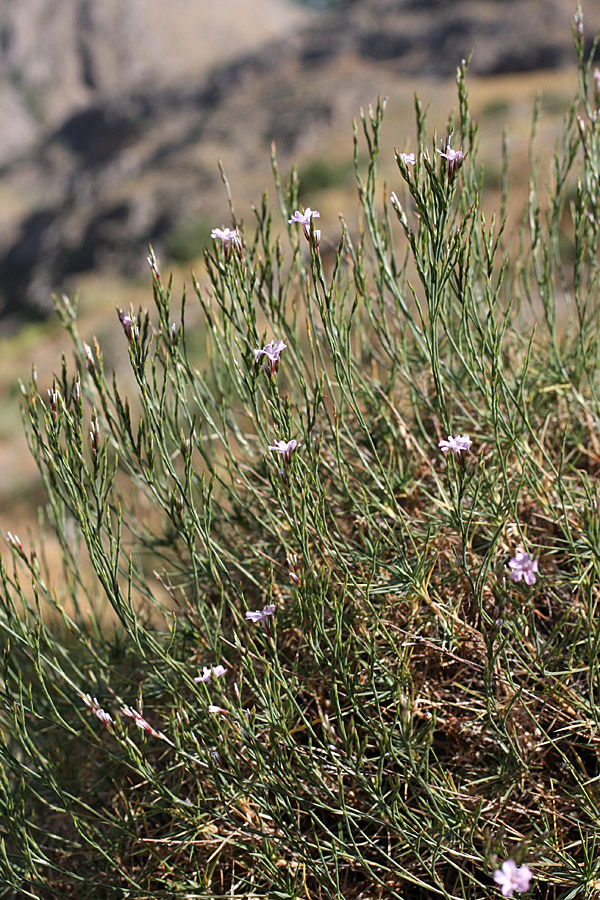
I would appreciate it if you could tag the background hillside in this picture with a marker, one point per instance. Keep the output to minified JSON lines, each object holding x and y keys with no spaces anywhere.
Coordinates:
{"x":116,"y":112}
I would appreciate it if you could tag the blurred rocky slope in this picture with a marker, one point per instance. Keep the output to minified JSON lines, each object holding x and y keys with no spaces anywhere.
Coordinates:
{"x":60,"y":55}
{"x":114,"y":112}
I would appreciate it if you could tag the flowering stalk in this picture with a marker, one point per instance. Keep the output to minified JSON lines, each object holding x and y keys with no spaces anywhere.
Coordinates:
{"x":141,"y":723}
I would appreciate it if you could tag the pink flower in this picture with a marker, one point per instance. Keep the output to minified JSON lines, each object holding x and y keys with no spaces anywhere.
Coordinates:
{"x":303,"y":218}
{"x":454,"y":157}
{"x":285,"y":448}
{"x":523,"y":567}
{"x":510,"y":878}
{"x":261,"y":615}
{"x":210,"y":672}
{"x":460,"y":443}
{"x":228,"y":236}
{"x":101,"y":714}
{"x":218,"y":710}
{"x":407,"y":158}
{"x":272,"y":352}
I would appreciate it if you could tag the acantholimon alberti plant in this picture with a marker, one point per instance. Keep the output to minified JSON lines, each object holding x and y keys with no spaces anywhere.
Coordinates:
{"x":326,"y":623}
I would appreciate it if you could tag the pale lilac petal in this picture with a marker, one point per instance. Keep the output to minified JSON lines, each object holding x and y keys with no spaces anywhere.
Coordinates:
{"x":523,"y":567}
{"x":460,"y":443}
{"x":261,"y":615}
{"x":510,"y":878}
{"x":523,"y":878}
{"x":208,"y":672}
{"x":303,"y":218}
{"x":228,"y":236}
{"x":285,"y":448}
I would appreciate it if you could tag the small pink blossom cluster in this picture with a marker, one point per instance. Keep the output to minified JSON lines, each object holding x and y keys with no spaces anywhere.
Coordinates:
{"x":101,"y":714}
{"x":209,"y":675}
{"x":230,"y":237}
{"x":407,"y":159}
{"x":454,"y":160}
{"x":130,"y":325}
{"x":210,"y":672}
{"x":141,"y":722}
{"x":285,"y":450}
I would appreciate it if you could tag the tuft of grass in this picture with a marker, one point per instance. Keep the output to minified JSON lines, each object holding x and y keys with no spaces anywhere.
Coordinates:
{"x":405,"y":716}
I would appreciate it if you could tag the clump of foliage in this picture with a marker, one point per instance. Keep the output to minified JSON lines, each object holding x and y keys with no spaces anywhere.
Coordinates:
{"x":396,"y":716}
{"x":188,"y":239}
{"x":321,"y":174}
